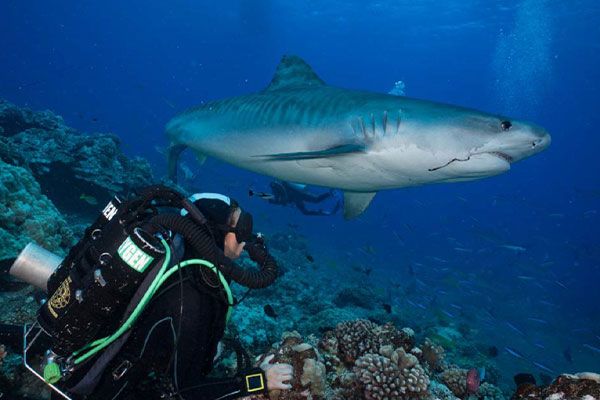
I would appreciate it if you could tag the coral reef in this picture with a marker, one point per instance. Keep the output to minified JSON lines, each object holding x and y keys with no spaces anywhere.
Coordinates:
{"x":67,"y":164}
{"x":309,"y":380}
{"x":456,"y":380}
{"x":433,"y":355}
{"x":356,"y":338}
{"x":28,"y":215}
{"x":391,"y":374}
{"x":585,"y":385}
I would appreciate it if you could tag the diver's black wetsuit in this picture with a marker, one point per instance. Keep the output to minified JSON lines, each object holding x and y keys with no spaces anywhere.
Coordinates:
{"x":196,"y":308}
{"x":285,"y":193}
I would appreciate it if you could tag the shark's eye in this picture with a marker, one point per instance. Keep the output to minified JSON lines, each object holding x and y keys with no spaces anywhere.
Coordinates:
{"x":505,"y":125}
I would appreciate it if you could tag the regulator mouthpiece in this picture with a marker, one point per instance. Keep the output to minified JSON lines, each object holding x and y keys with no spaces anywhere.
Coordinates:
{"x":34,"y":265}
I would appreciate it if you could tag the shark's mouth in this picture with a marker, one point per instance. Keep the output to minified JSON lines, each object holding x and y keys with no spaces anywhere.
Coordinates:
{"x":502,"y":155}
{"x":498,"y":154}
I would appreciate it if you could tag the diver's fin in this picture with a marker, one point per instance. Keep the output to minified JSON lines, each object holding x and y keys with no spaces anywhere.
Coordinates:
{"x":172,"y":157}
{"x":293,"y":72}
{"x":335,"y":151}
{"x":356,"y":202}
{"x":200,"y":157}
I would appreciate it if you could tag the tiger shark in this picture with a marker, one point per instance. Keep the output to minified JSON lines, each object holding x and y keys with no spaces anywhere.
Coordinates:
{"x":300,"y":129}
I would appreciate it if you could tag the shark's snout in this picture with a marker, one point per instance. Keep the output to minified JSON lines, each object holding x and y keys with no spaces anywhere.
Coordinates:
{"x":542,"y":141}
{"x":524,"y":142}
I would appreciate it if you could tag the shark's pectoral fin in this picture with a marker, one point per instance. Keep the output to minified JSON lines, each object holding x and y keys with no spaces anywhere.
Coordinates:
{"x":172,"y":157}
{"x":356,"y":202}
{"x":334,"y":151}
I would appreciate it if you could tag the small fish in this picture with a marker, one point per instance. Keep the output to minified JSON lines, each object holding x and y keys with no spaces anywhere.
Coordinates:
{"x":463,"y":250}
{"x":562,"y":285}
{"x":492,"y":351}
{"x":270,"y":311}
{"x":169,"y":103}
{"x":387,"y":308}
{"x":262,"y":195}
{"x":547,"y":263}
{"x":514,"y":328}
{"x":538,"y":320}
{"x":473,"y":381}
{"x":481,"y":374}
{"x":516,"y":249}
{"x":310,"y":258}
{"x":593,"y":348}
{"x":525,"y":278}
{"x":91,"y":200}
{"x":369,"y":249}
{"x":94,"y":119}
{"x":514,"y":353}
{"x":399,"y":238}
{"x":543,"y":367}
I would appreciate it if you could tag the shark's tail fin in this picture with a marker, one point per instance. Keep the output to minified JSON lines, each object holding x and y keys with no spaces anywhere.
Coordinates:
{"x":172,"y":158}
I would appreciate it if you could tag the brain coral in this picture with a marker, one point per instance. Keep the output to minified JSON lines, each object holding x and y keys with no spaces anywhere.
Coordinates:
{"x":391,"y":374}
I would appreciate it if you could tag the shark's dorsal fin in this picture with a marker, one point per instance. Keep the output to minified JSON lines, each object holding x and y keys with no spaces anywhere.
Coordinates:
{"x":293,"y":72}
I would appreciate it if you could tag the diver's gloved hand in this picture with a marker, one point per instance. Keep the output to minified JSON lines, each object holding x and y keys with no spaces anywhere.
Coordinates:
{"x":277,"y":374}
{"x":257,"y":250}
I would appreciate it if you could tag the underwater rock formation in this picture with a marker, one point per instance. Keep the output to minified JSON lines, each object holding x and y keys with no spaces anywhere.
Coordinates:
{"x":27,"y":215}
{"x":584,"y":386}
{"x":68,"y":165}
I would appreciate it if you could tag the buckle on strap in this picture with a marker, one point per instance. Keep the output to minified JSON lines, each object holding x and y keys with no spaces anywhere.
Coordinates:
{"x":121,"y":369}
{"x":255,"y":382}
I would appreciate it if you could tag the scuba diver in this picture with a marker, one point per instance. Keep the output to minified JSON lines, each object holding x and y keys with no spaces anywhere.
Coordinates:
{"x":284,"y":193}
{"x":169,"y":348}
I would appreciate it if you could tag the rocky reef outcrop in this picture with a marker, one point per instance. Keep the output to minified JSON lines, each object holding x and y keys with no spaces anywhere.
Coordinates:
{"x":580,"y":386}
{"x":77,"y":172}
{"x":28,"y":215}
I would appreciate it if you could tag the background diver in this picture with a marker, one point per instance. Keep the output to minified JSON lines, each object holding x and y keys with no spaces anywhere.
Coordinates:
{"x":285,"y":193}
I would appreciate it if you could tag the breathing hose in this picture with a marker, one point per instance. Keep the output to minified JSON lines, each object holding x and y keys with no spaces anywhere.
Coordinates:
{"x":199,"y":237}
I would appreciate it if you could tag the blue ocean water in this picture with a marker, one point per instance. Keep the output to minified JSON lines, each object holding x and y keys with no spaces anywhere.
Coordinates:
{"x":516,"y":257}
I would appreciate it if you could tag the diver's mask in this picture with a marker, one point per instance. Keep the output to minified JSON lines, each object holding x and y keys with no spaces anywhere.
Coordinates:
{"x":243,"y":228}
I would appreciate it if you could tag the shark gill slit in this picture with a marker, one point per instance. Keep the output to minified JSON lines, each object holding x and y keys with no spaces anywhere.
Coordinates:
{"x":384,"y":122}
